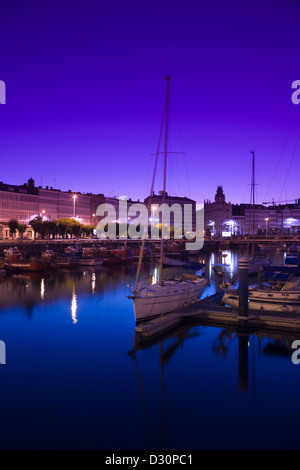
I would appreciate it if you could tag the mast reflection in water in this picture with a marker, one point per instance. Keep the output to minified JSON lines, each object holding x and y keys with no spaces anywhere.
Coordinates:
{"x":77,"y":387}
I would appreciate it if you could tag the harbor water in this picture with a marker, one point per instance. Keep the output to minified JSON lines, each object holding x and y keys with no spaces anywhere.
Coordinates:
{"x":75,"y":377}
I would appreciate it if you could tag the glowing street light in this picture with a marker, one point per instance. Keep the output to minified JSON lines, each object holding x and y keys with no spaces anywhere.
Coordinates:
{"x":267,"y":220}
{"x":74,"y":212}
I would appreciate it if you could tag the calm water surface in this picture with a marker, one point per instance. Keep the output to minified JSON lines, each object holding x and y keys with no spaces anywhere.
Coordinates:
{"x":74,"y":380}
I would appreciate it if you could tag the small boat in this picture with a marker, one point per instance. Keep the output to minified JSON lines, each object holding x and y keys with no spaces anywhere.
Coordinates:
{"x":70,"y":251}
{"x":12,"y":254}
{"x":267,"y":246}
{"x":291,"y":260}
{"x":122,"y":255}
{"x":49,"y":255}
{"x":84,"y":261}
{"x":275,"y":297}
{"x":31,"y":266}
{"x":67,"y":262}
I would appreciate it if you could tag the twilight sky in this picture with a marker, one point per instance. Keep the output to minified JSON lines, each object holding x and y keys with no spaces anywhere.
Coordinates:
{"x":85,"y":92}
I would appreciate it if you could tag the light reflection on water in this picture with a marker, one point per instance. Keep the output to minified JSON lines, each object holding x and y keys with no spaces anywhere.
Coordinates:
{"x":76,"y":371}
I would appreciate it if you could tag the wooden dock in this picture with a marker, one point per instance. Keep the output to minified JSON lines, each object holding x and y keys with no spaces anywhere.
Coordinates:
{"x":209,"y":312}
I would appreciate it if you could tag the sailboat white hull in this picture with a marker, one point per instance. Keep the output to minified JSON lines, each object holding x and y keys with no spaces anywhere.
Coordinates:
{"x":269,"y":301}
{"x":172,"y":295}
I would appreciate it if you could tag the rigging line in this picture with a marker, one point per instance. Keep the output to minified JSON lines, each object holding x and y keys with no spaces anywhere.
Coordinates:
{"x":276,"y":168}
{"x":150,"y":200}
{"x":289,"y":167}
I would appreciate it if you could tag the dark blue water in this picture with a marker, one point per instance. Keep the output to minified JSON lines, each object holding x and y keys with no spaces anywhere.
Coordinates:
{"x":74,"y":380}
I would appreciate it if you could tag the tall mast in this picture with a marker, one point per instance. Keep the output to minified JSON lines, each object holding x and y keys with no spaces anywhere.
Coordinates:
{"x":165,"y":176}
{"x":253,"y":202}
{"x":145,"y":235}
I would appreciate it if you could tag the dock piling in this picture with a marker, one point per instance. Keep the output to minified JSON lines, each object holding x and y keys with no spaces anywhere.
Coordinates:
{"x":243,"y":287}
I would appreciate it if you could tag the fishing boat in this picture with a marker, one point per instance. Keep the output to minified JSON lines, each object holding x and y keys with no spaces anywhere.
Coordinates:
{"x":122,"y":254}
{"x":31,"y":266}
{"x":49,"y":255}
{"x":12,"y":254}
{"x":111,"y":256}
{"x":276,"y":297}
{"x":163,"y":296}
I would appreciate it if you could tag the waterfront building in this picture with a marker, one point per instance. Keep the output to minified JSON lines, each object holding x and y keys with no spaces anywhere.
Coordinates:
{"x":185,"y":204}
{"x":115,"y":202}
{"x":218,"y":215}
{"x":25,"y":202}
{"x":223,"y":219}
{"x":96,"y":200}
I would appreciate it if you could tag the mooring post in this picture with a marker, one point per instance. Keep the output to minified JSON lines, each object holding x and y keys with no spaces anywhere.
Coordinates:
{"x":243,"y":287}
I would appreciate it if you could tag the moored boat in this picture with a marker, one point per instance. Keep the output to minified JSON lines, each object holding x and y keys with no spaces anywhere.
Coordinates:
{"x":31,"y":266}
{"x":12,"y":254}
{"x":275,"y":298}
{"x":163,"y":296}
{"x":173,"y":294}
{"x":84,"y":261}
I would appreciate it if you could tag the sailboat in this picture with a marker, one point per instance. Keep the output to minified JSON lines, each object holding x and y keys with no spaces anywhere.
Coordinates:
{"x":164,"y":296}
{"x":256,"y":260}
{"x":285,"y":298}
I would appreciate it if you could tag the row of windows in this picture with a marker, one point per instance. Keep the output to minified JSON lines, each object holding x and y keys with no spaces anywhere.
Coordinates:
{"x":18,"y":197}
{"x":18,"y":206}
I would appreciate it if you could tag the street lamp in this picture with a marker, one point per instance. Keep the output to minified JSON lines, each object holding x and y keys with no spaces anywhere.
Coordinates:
{"x":267,"y":220}
{"x":74,"y":197}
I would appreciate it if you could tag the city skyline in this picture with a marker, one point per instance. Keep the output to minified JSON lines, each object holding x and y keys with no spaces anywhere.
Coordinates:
{"x":85,"y":94}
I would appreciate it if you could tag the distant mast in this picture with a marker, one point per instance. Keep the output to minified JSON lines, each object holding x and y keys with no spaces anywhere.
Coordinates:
{"x":251,"y":209}
{"x":165,"y":176}
{"x":253,"y":202}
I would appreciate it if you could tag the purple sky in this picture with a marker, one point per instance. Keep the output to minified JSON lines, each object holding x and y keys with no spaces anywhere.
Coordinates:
{"x":85,"y":93}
